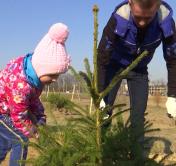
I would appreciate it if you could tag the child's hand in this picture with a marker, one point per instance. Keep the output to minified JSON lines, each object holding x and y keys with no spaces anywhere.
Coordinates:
{"x":36,"y":135}
{"x":41,"y":122}
{"x":33,"y":131}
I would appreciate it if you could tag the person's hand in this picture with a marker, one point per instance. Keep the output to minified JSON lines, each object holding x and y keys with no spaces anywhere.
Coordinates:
{"x":102,"y":104}
{"x":33,"y":131}
{"x":41,"y":122}
{"x":36,"y":135}
{"x":171,"y":107}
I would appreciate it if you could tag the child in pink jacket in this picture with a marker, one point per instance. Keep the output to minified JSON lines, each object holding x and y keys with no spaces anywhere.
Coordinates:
{"x":21,"y":83}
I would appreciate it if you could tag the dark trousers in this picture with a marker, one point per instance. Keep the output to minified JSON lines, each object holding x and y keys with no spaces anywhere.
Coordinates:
{"x":12,"y":139}
{"x":138,"y":92}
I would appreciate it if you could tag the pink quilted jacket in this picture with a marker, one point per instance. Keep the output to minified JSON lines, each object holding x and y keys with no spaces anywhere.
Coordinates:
{"x":18,"y":97}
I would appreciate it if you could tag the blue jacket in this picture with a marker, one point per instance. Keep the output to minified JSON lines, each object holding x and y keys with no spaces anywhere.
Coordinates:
{"x":121,"y":42}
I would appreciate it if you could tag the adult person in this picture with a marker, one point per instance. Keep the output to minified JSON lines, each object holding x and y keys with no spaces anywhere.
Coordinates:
{"x":135,"y":26}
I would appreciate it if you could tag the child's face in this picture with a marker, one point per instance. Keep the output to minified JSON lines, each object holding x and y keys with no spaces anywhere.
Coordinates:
{"x":48,"y":79}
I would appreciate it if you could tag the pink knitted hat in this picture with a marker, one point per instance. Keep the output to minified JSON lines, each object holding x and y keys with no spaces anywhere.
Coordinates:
{"x":50,"y":55}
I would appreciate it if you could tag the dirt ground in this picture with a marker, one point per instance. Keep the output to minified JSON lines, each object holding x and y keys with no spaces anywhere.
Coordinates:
{"x":163,"y":142}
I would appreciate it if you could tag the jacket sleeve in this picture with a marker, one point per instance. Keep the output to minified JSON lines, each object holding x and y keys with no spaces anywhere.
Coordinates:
{"x":18,"y":105}
{"x":36,"y":112}
{"x":105,"y":50}
{"x":169,"y":49}
{"x":19,"y":100}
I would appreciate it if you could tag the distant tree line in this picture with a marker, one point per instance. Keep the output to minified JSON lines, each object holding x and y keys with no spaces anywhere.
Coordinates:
{"x":66,"y":83}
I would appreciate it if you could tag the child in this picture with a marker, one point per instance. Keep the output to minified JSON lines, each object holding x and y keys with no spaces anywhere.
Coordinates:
{"x":21,"y":84}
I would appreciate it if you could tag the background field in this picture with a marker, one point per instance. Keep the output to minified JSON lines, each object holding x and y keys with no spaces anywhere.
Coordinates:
{"x":163,"y":142}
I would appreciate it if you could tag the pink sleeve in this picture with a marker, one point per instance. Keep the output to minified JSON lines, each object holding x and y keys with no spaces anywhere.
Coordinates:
{"x":19,"y":99}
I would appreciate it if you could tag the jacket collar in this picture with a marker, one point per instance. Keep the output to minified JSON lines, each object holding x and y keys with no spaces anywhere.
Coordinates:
{"x":30,"y":73}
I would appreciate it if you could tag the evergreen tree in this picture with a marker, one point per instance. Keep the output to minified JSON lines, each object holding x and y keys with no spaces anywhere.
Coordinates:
{"x":84,"y":139}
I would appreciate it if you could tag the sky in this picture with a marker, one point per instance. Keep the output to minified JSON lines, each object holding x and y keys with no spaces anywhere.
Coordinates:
{"x":24,"y":22}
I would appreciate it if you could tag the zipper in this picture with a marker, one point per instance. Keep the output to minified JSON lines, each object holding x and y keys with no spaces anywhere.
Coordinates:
{"x":153,"y":42}
{"x":139,"y":47}
{"x":130,"y":43}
